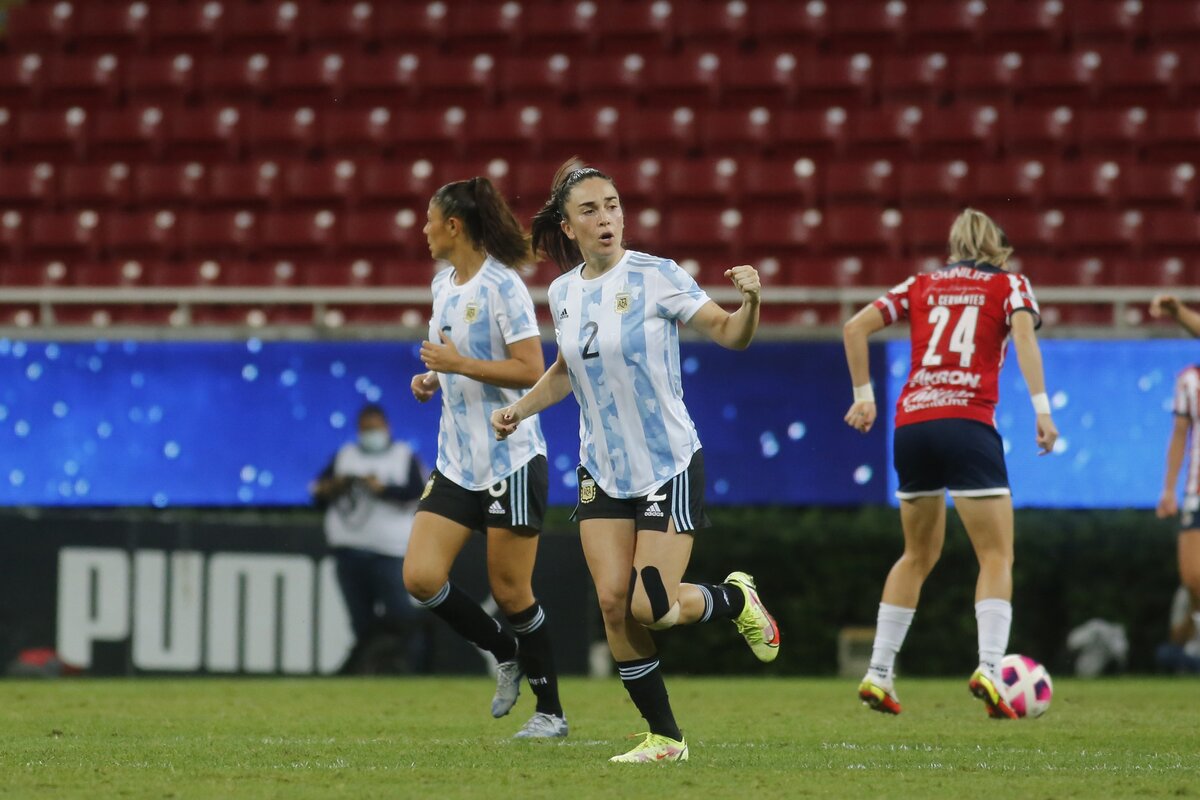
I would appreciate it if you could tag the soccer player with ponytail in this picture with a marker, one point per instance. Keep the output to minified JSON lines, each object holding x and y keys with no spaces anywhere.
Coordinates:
{"x":483,"y":352}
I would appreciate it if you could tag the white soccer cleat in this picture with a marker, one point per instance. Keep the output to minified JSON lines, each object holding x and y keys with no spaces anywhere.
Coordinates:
{"x":508,"y":687}
{"x":655,"y":748}
{"x":543,"y":726}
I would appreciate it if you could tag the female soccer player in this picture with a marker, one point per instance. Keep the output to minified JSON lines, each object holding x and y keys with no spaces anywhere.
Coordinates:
{"x":1185,"y":436}
{"x":961,"y":317}
{"x":641,"y":481}
{"x":483,"y":350}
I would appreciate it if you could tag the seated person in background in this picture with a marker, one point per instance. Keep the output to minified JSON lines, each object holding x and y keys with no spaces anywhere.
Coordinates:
{"x":1181,"y":653}
{"x":369,"y":492}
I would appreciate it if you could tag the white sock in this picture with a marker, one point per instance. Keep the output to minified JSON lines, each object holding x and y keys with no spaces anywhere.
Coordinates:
{"x":994,"y":617}
{"x":890,"y":629}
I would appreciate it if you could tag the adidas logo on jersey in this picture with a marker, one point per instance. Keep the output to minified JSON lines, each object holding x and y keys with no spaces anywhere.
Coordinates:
{"x":496,"y":508}
{"x":653,"y":511}
{"x":563,"y":314}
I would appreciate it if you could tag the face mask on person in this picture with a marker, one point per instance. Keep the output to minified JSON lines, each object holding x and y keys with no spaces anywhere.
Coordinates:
{"x":374,"y":441}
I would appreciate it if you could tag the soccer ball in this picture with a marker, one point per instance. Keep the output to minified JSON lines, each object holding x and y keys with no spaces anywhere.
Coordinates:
{"x":1027,"y":685}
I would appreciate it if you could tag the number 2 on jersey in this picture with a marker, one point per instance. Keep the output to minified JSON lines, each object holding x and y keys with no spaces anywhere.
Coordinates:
{"x":962,"y":340}
{"x":589,"y":351}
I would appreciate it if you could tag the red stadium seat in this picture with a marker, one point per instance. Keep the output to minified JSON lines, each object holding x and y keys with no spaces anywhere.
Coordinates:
{"x":1173,"y":230}
{"x":644,"y":229}
{"x":1104,"y":232}
{"x":1107,"y":21}
{"x":761,"y":79}
{"x":111,"y":28}
{"x":846,"y":271}
{"x":55,"y":136}
{"x":141,"y":234}
{"x":1160,"y":185}
{"x":399,"y":183}
{"x":492,"y":26}
{"x":774,"y":183}
{"x":639,"y":181}
{"x":94,"y":185}
{"x":886,"y":132}
{"x":620,"y":79}
{"x":926,"y":232}
{"x":815,"y":133}
{"x":41,"y":27}
{"x":409,"y":23}
{"x":876,"y":26}
{"x":383,"y":80}
{"x":783,"y":232}
{"x":160,"y":79}
{"x":790,"y":24}
{"x":1063,"y":78}
{"x":722,"y":26}
{"x":30,"y":185}
{"x":497,"y":170}
{"x":169,"y":185}
{"x":343,"y":272}
{"x":552,"y":26}
{"x":1016,"y":183}
{"x":34,"y":273}
{"x":512,"y":131}
{"x":1174,"y":135}
{"x":1089,"y":182}
{"x":1025,"y":25}
{"x":21,"y":78}
{"x":191,"y":27}
{"x":857,"y":230}
{"x":1111,"y":131}
{"x":537,"y":79}
{"x":961,"y":131}
{"x":748,"y":132}
{"x":273,"y":133}
{"x":1068,"y":271}
{"x":952,"y":26}
{"x":1030,"y":231}
{"x":662,"y":132}
{"x":1040,"y":130}
{"x":254,"y":185}
{"x":239,"y":78}
{"x":706,"y":182}
{"x":861,"y":182}
{"x":914,"y":78}
{"x":279,"y":272}
{"x":945,"y":184}
{"x":356,"y":132}
{"x":431,"y":133}
{"x":993,"y":77}
{"x":130,"y":272}
{"x":1143,"y":79}
{"x":7,"y":132}
{"x":312,"y":79}
{"x":12,"y":240}
{"x":641,"y":26}
{"x":688,"y":79}
{"x":128,"y":134}
{"x":707,"y":235}
{"x":584,"y":130}
{"x":466,"y":81}
{"x":269,"y":26}
{"x":209,"y":133}
{"x":299,"y":233}
{"x":348,"y":24}
{"x":218,"y":234}
{"x":1159,"y":272}
{"x":329,"y":184}
{"x":391,"y":232}
{"x":74,"y":234}
{"x":848,"y":79}
{"x":90,"y":81}
{"x":1173,"y":21}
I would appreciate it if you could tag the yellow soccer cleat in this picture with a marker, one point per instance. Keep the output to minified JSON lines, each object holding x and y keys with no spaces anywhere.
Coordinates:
{"x":878,"y":698}
{"x":755,"y":623}
{"x":653,"y":749}
{"x":982,"y":686}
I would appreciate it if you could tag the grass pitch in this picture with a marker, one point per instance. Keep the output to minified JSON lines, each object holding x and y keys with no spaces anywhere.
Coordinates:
{"x":433,"y":738}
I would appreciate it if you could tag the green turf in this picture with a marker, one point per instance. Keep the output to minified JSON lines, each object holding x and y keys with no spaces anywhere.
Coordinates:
{"x":433,"y":738}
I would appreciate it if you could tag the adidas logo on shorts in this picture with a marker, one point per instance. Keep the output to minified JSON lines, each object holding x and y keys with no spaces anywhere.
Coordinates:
{"x":653,"y":511}
{"x":496,"y":508}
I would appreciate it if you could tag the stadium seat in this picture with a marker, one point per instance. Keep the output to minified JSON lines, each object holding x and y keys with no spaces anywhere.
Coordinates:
{"x":269,"y":272}
{"x":812,"y":133}
{"x":127,"y":272}
{"x":491,"y":26}
{"x":1150,"y":185}
{"x":1148,"y":79}
{"x":128,"y":134}
{"x":783,"y":232}
{"x":1174,"y":135}
{"x":191,"y":27}
{"x":157,"y":79}
{"x":236,"y":78}
{"x":277,"y":133}
{"x":960,"y":131}
{"x":168,"y":185}
{"x":254,"y":185}
{"x":21,"y":77}
{"x":512,"y":131}
{"x":218,"y":234}
{"x":392,"y":232}
{"x":787,"y":183}
{"x":641,"y":26}
{"x":313,"y":79}
{"x":12,"y":239}
{"x":926,"y":232}
{"x":712,"y":183}
{"x":875,"y":26}
{"x":72,"y":234}
{"x":269,"y":26}
{"x":27,"y":185}
{"x":1171,"y":231}
{"x":55,"y":136}
{"x":357,"y":272}
{"x":839,"y":79}
{"x":857,"y":230}
{"x":1084,"y":183}
{"x":720,"y":26}
{"x":1062,"y":78}
{"x":347,"y":24}
{"x":356,"y":132}
{"x":386,"y":80}
{"x":1044,"y":131}
{"x":328,"y":183}
{"x":691,"y":79}
{"x":7,"y":132}
{"x":1024,"y":25}
{"x":595,"y":131}
{"x":1162,"y":271}
{"x":208,"y":133}
{"x":1106,"y":21}
{"x":620,"y":79}
{"x":430,"y":133}
{"x":845,"y":271}
{"x":952,"y":26}
{"x":32,"y":273}
{"x":95,"y":185}
{"x":1104,"y":232}
{"x":498,"y":171}
{"x":113,"y":28}
{"x":790,"y":24}
{"x":914,"y":78}
{"x":989,"y":77}
{"x":1069,"y":271}
{"x":41,"y":27}
{"x":552,"y":26}
{"x":141,"y":234}
{"x":299,"y":233}
{"x":1017,"y":183}
{"x":861,"y":182}
{"x":399,"y":183}
{"x":886,"y":132}
{"x":662,"y":132}
{"x":943,"y":184}
{"x":1029,"y":231}
{"x":1170,"y":21}
{"x":465,"y":81}
{"x":537,"y":79}
{"x":1112,"y":131}
{"x":639,"y":181}
{"x":742,"y":132}
{"x":644,"y":229}
{"x":703,"y":234}
{"x":408,"y":23}
{"x":760,"y":80}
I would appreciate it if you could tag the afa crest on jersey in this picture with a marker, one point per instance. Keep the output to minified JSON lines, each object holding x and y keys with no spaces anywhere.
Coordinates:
{"x":471,"y":313}
{"x":622,"y":302}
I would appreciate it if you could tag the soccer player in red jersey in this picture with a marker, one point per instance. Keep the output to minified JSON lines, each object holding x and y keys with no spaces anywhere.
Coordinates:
{"x":1185,"y":438}
{"x":961,"y":317}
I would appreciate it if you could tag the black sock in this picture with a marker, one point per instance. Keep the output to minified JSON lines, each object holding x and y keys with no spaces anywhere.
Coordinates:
{"x":471,"y":622}
{"x":721,"y":601}
{"x":644,"y":682}
{"x":537,"y":658}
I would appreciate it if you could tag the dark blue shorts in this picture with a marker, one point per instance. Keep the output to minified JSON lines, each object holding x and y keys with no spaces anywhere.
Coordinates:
{"x":961,"y":456}
{"x":1189,"y":513}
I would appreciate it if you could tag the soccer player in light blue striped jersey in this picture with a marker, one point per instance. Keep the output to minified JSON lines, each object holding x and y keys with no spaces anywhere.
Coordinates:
{"x":483,"y":352}
{"x":617,"y":314}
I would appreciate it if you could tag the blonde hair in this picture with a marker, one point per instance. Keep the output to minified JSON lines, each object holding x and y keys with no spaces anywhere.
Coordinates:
{"x":975,"y":237}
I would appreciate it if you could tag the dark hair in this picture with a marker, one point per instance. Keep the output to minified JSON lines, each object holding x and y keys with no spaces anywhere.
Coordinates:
{"x":372,"y":410}
{"x":488,"y":219}
{"x":549,"y":240}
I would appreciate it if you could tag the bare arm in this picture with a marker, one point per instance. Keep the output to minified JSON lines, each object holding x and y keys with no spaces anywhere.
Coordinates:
{"x":734,"y":331}
{"x":1168,"y":305}
{"x":1029,"y":357}
{"x":520,"y":370}
{"x":855,"y":333}
{"x":551,"y":388}
{"x":1168,"y":503}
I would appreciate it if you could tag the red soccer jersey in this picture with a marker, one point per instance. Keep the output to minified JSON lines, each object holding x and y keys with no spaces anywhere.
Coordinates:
{"x":1187,"y":404}
{"x":960,"y":316}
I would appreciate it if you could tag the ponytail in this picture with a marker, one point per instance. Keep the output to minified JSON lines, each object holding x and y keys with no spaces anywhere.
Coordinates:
{"x":488,"y":220}
{"x":975,"y":237}
{"x":549,"y":239}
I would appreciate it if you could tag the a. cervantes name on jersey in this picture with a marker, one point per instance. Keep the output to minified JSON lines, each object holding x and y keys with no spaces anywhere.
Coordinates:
{"x":961,"y":316}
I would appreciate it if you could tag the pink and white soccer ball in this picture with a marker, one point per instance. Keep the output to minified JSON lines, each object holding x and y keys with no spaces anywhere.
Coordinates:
{"x":1027,"y":685}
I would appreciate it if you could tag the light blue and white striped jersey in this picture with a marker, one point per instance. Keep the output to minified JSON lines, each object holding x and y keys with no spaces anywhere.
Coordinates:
{"x":482,"y":317}
{"x":619,"y":336}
